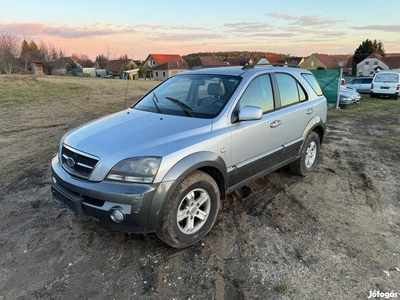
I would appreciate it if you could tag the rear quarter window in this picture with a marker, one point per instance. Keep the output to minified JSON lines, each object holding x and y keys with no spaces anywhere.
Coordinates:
{"x":313,"y":83}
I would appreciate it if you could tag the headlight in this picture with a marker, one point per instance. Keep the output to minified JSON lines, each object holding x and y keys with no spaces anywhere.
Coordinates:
{"x":138,"y":169}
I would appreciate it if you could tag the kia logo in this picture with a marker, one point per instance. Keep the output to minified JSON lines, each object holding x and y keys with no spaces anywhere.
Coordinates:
{"x":70,"y":162}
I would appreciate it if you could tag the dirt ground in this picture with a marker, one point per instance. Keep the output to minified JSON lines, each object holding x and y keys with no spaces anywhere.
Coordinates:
{"x":333,"y":234}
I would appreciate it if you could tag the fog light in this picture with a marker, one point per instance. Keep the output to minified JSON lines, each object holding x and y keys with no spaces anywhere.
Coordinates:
{"x":117,"y":215}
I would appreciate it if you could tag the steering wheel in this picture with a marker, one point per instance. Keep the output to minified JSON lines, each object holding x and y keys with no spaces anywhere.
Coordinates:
{"x":219,"y":100}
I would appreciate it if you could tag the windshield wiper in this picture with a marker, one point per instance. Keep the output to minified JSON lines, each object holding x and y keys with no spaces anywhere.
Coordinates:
{"x":155,"y":101}
{"x":187,"y":109}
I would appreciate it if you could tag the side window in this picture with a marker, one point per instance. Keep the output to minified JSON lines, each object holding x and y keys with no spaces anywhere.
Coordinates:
{"x":259,"y":93}
{"x":367,"y":80}
{"x":313,"y":83}
{"x":290,"y":90}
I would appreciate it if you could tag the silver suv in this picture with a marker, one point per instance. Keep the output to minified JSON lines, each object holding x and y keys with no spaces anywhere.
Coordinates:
{"x":164,"y":164}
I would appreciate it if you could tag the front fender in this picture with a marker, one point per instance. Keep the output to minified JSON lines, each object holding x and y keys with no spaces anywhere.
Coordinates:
{"x":205,"y":160}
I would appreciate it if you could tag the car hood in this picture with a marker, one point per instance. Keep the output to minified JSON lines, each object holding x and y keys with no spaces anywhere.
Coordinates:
{"x":131,"y":133}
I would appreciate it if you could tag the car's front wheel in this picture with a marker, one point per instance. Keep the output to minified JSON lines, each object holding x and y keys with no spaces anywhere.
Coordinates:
{"x":191,"y":211}
{"x":308,"y":156}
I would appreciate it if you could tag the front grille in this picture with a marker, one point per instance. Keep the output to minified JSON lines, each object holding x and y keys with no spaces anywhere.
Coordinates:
{"x":78,"y":163}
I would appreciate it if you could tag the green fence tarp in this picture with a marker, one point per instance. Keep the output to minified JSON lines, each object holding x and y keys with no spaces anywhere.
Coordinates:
{"x":328,"y":80}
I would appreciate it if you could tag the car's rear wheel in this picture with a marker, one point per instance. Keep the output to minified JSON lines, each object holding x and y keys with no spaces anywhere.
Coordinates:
{"x":308,"y":157}
{"x":191,"y":211}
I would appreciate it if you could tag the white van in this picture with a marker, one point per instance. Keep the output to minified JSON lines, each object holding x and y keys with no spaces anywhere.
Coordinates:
{"x":386,"y":84}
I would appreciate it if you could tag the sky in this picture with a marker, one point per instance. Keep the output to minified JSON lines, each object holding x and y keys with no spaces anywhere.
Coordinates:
{"x":139,"y":28}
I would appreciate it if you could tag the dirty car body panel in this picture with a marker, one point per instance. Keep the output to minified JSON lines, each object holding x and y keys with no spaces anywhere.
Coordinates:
{"x":121,"y":169}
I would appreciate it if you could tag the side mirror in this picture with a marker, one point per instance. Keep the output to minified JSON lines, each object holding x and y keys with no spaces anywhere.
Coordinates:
{"x":249,"y":113}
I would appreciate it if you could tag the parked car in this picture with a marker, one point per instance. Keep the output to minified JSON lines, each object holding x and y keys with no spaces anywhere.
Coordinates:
{"x":386,"y":84}
{"x":361,"y":84}
{"x":347,"y":97}
{"x":164,"y":164}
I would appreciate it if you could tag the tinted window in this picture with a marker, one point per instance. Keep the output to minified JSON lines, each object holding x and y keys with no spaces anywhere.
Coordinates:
{"x":367,"y":80}
{"x":259,"y":93}
{"x":289,"y":90}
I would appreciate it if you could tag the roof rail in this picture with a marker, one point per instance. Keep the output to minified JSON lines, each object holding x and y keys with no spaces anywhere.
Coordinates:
{"x":248,"y":67}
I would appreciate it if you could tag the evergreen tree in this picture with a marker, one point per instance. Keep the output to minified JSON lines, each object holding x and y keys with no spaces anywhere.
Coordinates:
{"x":102,"y":61}
{"x":25,"y":53}
{"x":379,"y":48}
{"x":366,"y":48}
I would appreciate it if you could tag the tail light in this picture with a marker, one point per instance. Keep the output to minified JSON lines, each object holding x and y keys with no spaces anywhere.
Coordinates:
{"x":398,"y":87}
{"x":372,"y":86}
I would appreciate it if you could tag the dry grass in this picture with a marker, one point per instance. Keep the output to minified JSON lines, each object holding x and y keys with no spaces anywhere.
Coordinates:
{"x":36,"y":111}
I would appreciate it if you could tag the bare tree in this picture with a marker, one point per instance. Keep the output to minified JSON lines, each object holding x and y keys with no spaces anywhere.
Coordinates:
{"x":9,"y":51}
{"x":110,"y":53}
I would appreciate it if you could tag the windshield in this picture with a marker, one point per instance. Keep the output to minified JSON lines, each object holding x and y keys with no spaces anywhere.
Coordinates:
{"x":190,"y":95}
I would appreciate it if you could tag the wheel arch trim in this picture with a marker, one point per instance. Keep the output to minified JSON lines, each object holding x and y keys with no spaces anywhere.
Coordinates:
{"x":315,"y":124}
{"x":205,"y":161}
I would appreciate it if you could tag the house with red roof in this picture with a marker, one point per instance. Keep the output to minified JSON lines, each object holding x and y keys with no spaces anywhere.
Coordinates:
{"x":319,"y":61}
{"x":163,"y":66}
{"x":202,"y":62}
{"x":116,"y":67}
{"x":272,"y":59}
{"x":37,"y":68}
{"x":376,"y":62}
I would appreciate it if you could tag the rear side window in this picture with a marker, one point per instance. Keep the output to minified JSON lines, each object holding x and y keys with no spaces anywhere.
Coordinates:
{"x":367,"y":80}
{"x":290,"y":90}
{"x":385,"y":77}
{"x":313,"y":83}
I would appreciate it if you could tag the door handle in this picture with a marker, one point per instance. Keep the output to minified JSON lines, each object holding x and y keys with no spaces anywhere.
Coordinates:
{"x":275,"y":123}
{"x":310,"y":111}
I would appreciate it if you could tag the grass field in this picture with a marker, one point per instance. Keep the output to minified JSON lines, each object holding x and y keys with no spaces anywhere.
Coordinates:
{"x":36,"y":111}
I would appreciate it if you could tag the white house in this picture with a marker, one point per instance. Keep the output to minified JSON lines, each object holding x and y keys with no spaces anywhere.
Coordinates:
{"x":376,"y":63}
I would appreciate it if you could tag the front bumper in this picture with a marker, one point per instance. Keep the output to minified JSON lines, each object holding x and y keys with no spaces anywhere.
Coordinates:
{"x":139,"y":203}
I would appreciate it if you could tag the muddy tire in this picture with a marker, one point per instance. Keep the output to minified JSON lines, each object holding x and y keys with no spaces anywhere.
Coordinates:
{"x":308,"y":157}
{"x":191,"y":211}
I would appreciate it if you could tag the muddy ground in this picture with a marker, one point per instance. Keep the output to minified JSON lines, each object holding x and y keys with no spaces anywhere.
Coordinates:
{"x":334,"y":234}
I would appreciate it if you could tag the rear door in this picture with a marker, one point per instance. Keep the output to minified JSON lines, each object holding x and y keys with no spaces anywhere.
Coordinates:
{"x":386,"y":83}
{"x":295,"y":113}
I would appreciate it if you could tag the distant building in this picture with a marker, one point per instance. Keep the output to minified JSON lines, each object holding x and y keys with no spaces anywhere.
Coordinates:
{"x":168,"y":69}
{"x":319,"y":61}
{"x":163,"y":66}
{"x":376,"y":63}
{"x":116,"y":67}
{"x":237,"y":61}
{"x":272,"y":59}
{"x":37,"y":68}
{"x":294,"y":60}
{"x":205,"y":62}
